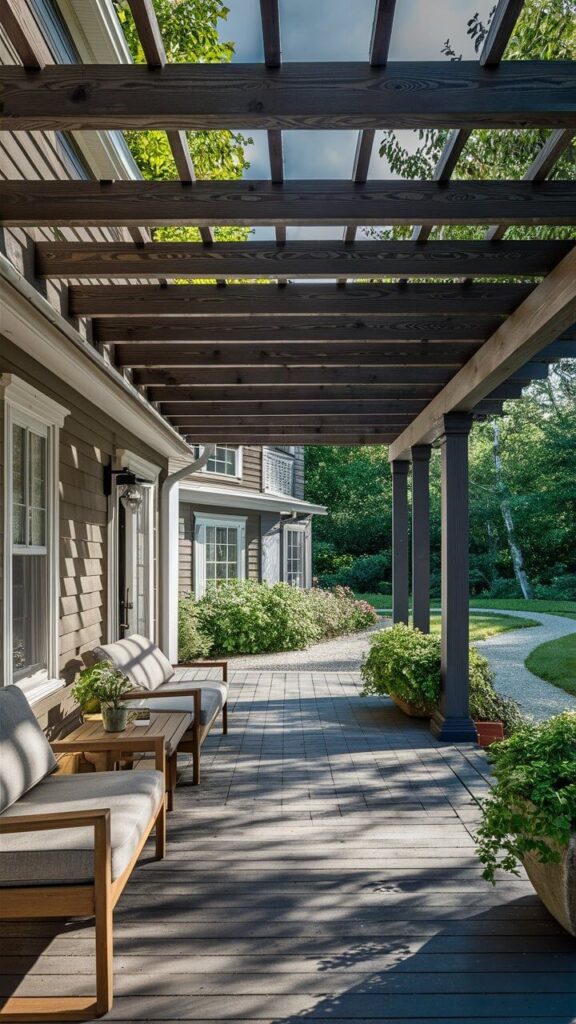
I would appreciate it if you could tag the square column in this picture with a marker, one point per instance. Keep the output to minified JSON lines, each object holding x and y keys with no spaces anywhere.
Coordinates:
{"x":421,"y":537}
{"x":400,"y":553}
{"x":452,"y":722}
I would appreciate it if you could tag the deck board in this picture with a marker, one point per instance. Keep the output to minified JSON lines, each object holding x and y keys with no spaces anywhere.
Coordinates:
{"x":324,"y":870}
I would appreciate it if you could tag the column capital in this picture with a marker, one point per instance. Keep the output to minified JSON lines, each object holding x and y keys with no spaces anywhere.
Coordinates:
{"x":421,"y":452}
{"x":454,"y":423}
{"x":400,"y":467}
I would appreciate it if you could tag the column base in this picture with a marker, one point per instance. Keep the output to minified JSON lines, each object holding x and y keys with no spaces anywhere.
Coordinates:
{"x":452,"y":729}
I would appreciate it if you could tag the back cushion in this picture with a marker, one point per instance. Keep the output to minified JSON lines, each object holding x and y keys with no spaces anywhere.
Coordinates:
{"x":26,"y":757}
{"x":139,"y":659}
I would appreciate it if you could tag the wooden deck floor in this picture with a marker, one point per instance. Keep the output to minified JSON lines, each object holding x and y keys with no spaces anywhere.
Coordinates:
{"x":324,"y":871}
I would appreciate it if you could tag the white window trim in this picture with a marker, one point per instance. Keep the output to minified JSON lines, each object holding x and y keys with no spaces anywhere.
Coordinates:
{"x":294,"y":528}
{"x":225,"y":476}
{"x":25,"y":406}
{"x":200,"y":524}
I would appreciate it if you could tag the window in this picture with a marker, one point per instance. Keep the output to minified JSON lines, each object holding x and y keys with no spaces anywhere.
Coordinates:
{"x":294,"y":555}
{"x":225,"y":461}
{"x":278,"y":471}
{"x":31,"y":578}
{"x":219,"y":551}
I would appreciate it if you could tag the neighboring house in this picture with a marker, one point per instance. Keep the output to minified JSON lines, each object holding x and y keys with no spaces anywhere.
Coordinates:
{"x":244,"y":517}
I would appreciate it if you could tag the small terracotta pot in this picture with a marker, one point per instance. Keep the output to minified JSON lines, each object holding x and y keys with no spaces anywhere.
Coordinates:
{"x":489,"y":732}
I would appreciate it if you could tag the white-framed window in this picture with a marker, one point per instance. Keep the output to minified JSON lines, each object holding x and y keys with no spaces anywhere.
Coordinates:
{"x":219,"y":551}
{"x":294,"y":560}
{"x":226,"y":460}
{"x":31,"y":550}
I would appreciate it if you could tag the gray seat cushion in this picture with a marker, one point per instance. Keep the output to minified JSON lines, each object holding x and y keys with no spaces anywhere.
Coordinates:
{"x":139,"y":659}
{"x":26,"y":757}
{"x":67,"y":855}
{"x":214,"y":696}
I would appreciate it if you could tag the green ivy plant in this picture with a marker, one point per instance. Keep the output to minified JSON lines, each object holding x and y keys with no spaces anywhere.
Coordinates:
{"x":532,"y":807}
{"x":100,"y":685}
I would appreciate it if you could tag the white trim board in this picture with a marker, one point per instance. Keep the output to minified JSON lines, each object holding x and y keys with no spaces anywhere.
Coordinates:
{"x":235,"y":498}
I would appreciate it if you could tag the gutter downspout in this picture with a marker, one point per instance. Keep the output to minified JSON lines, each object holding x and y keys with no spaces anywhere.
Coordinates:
{"x":169,"y":495}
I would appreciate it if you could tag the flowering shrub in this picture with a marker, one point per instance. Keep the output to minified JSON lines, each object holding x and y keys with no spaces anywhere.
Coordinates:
{"x":406,"y":662}
{"x":246,"y":617}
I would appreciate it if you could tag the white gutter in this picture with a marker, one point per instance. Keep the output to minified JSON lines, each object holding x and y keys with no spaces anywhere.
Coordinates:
{"x":29,"y":321}
{"x":203,"y":494}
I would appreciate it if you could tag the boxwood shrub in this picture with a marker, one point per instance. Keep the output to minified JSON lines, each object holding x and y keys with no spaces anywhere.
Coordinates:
{"x":246,"y":617}
{"x":406,"y":662}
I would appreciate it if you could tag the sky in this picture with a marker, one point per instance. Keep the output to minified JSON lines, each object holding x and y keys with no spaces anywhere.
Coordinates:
{"x":339,"y":30}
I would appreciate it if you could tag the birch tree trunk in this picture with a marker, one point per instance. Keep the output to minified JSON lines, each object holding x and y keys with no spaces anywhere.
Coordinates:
{"x":515,"y":549}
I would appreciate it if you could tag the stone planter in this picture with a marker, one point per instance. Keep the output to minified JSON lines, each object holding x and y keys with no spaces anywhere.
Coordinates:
{"x":489,"y":732}
{"x":114,"y":719}
{"x":555,"y":884}
{"x":411,"y":709}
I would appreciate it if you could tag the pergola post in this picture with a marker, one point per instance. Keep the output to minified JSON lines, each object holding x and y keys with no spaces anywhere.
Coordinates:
{"x":452,"y":722}
{"x":421,"y":536}
{"x":400,"y":554}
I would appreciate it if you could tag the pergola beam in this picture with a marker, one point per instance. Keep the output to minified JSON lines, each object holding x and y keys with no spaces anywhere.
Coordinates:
{"x":295,"y":259}
{"x":296,"y":299}
{"x":545,"y":313}
{"x":350,"y":95}
{"x":286,"y":373}
{"x":302,"y":354}
{"x":130,"y":203}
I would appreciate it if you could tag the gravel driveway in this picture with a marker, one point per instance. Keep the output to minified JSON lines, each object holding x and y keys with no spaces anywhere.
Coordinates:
{"x":506,"y":653}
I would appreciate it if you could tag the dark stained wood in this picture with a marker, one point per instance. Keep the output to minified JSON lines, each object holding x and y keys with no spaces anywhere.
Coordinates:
{"x":501,"y":28}
{"x":303,"y":421}
{"x":381,"y":32}
{"x":270,"y":16}
{"x":298,"y":259}
{"x":270,"y":406}
{"x":289,"y":374}
{"x":296,"y":299}
{"x":303,"y":354}
{"x":148,"y":30}
{"x":317,"y":329}
{"x":196,"y":97}
{"x":388,"y":393}
{"x":300,"y":203}
{"x":234,"y":437}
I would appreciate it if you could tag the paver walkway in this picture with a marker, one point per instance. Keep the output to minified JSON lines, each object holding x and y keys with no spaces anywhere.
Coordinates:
{"x":507,"y":653}
{"x":324,"y":870}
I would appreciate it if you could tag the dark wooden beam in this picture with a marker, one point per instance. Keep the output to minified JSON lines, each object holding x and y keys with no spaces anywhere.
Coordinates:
{"x":300,"y":420}
{"x":198,"y":97}
{"x":278,"y":330}
{"x":389,"y":394}
{"x":265,"y":431}
{"x":22,"y":30}
{"x":275,"y":409}
{"x":200,"y":437}
{"x":270,"y":17}
{"x":295,"y":259}
{"x":130,"y":203}
{"x":297,"y":354}
{"x":274,"y":376}
{"x":295,"y":299}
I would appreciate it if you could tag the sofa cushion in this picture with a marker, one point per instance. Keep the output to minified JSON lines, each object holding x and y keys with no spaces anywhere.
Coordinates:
{"x":67,"y":855}
{"x":214,"y":695}
{"x":26,"y":757}
{"x":139,"y":659}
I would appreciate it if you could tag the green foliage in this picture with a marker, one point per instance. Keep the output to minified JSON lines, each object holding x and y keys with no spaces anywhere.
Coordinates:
{"x":192,"y":642}
{"x":532,"y":807}
{"x":246,"y":617}
{"x":555,"y":662}
{"x":406,"y":662}
{"x":100,"y":685}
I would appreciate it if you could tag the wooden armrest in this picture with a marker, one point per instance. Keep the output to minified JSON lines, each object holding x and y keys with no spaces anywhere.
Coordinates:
{"x":126,"y":745}
{"x":49,"y":822}
{"x":205,"y":664}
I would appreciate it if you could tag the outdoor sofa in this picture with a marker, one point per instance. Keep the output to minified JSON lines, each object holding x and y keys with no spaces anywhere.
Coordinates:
{"x":161,"y":686}
{"x":69,"y":843}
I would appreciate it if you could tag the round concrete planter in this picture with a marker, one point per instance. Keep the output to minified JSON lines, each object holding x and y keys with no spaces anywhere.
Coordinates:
{"x":555,"y":884}
{"x":114,"y":719}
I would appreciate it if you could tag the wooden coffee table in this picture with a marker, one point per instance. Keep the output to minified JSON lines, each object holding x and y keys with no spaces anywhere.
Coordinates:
{"x":171,"y":725}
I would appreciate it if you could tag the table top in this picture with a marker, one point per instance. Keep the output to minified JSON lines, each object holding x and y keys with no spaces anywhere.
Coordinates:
{"x":170,"y":724}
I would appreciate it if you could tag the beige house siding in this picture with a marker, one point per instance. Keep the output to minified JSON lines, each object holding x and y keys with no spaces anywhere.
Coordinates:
{"x":299,"y":472}
{"x":186,"y":542}
{"x":251,"y":478}
{"x":88,"y":441}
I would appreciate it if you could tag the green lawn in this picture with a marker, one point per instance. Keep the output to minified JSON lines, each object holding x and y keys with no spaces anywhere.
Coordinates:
{"x":556,"y":662}
{"x":565,"y":608}
{"x":482,"y":624}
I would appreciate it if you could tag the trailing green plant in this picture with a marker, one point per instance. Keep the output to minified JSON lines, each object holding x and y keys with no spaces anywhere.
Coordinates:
{"x":532,"y":806}
{"x":100,"y":685}
{"x":192,"y":642}
{"x":407,"y":663}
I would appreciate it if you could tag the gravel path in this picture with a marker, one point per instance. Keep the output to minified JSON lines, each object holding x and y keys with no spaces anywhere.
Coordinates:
{"x":506,"y":653}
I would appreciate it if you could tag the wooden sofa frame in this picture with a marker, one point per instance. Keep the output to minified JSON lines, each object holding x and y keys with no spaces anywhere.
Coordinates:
{"x":192,"y":741}
{"x":96,"y":899}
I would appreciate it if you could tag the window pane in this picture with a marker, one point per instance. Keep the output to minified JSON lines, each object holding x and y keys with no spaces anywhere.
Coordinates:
{"x":37,"y":489}
{"x":29,"y":614}
{"x":18,"y":485}
{"x":223,"y":460}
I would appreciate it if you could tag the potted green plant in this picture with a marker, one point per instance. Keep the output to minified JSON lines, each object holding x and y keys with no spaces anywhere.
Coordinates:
{"x":530,"y":816}
{"x":102,"y":687}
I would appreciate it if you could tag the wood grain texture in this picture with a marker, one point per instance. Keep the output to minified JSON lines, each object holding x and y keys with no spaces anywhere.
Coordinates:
{"x":352,"y":95}
{"x":310,"y":259}
{"x":274,"y":376}
{"x":302,"y":354}
{"x":296,"y":300}
{"x":293,"y":203}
